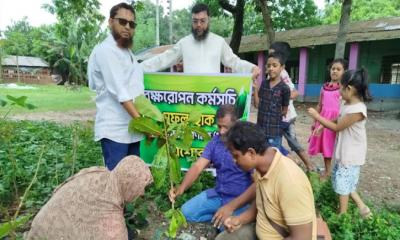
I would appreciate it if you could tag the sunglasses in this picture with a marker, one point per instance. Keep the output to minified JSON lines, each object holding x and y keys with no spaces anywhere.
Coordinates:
{"x":123,"y":22}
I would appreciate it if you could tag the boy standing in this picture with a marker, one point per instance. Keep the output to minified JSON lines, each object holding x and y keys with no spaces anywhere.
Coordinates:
{"x":289,"y":131}
{"x":272,"y":100}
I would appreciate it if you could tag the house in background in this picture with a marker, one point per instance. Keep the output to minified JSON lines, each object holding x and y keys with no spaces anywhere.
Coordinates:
{"x":32,"y":70}
{"x":373,"y":44}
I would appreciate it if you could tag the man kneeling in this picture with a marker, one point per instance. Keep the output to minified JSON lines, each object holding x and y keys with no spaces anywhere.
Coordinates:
{"x":284,"y":205}
{"x":220,"y":202}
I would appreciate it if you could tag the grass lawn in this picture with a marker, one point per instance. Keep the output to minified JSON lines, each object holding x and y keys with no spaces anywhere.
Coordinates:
{"x":50,"y":98}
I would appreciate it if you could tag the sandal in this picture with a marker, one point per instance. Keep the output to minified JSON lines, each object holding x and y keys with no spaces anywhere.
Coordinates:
{"x":365,"y":213}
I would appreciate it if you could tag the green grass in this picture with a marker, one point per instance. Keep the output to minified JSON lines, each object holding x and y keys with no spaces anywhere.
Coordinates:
{"x":50,"y":98}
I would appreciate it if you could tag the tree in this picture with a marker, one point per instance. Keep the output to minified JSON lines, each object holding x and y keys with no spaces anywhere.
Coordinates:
{"x":362,"y":10}
{"x":145,"y":33}
{"x":77,"y":31}
{"x":267,"y":22}
{"x":2,"y":55}
{"x":237,"y":12}
{"x":221,"y":25}
{"x":278,"y":15}
{"x":293,"y":14}
{"x":18,"y":40}
{"x":343,"y":28}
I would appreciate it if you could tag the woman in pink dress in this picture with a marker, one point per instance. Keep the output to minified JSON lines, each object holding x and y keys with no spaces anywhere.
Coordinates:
{"x":322,"y":140}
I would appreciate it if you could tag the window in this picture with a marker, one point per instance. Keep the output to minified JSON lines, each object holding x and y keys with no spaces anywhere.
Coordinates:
{"x":390,"y":72}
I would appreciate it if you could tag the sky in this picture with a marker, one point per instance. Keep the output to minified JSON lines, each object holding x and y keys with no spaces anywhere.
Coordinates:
{"x":14,"y":10}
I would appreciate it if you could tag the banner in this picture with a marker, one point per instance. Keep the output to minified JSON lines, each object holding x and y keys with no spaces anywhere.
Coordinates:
{"x":179,"y":94}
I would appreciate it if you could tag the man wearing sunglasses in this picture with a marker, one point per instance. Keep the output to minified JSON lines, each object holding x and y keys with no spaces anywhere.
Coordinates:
{"x":202,"y":51}
{"x":117,"y":78}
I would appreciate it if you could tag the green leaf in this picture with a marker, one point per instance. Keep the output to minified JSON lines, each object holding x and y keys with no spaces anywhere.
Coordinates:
{"x":194,"y":116}
{"x":179,"y":144}
{"x":20,"y":101}
{"x":145,"y":125}
{"x":181,"y":218}
{"x":168,"y":214}
{"x":174,"y":170}
{"x":172,"y":126}
{"x":7,"y":227}
{"x":188,"y":136}
{"x":203,"y":133}
{"x":173,"y":227}
{"x":30,"y":106}
{"x":2,"y":102}
{"x":186,"y":140}
{"x":146,"y":108}
{"x":159,"y":166}
{"x":176,"y":220}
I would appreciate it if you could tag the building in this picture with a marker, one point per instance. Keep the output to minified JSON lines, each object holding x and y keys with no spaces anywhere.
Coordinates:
{"x":32,"y":70}
{"x":373,"y":44}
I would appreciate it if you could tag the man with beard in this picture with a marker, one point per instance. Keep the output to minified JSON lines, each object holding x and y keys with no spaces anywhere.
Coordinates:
{"x":202,"y":51}
{"x":117,"y":78}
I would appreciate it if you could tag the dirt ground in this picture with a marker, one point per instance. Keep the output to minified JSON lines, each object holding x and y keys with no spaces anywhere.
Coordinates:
{"x":379,"y":180}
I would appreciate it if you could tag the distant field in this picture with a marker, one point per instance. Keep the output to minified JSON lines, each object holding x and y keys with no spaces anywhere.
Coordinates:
{"x":50,"y":98}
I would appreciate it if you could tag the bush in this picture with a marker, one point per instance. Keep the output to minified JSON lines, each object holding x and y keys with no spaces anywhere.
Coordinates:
{"x":384,"y":224}
{"x":66,"y":150}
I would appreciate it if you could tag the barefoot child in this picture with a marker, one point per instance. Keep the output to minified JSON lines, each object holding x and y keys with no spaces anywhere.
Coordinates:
{"x":322,"y":140}
{"x":272,"y":100}
{"x":351,"y":144}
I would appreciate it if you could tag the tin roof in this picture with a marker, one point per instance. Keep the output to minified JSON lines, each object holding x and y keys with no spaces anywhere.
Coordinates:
{"x":359,"y":31}
{"x":24,"y":61}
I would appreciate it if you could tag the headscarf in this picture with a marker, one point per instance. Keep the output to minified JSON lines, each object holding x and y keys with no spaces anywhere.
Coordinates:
{"x":89,"y":205}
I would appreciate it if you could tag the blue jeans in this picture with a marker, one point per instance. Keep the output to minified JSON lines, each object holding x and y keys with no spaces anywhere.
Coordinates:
{"x":289,"y":132}
{"x":202,"y":209}
{"x":113,"y":152}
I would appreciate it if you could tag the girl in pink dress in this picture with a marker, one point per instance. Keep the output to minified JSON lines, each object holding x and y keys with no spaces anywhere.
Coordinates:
{"x":322,"y":140}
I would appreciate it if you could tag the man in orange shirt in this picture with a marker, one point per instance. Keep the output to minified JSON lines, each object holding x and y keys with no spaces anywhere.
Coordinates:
{"x":284,"y":205}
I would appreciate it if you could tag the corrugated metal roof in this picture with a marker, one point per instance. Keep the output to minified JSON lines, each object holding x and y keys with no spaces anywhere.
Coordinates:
{"x":360,"y":31}
{"x":24,"y":61}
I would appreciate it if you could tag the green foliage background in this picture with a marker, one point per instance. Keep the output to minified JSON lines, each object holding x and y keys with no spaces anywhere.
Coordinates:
{"x":383,"y":225}
{"x":67,"y":149}
{"x":362,"y":10}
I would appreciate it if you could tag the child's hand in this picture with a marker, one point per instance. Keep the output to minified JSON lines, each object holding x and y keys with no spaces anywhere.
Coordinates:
{"x":317,"y":131}
{"x":255,"y":72}
{"x":255,"y":84}
{"x":313,"y":113}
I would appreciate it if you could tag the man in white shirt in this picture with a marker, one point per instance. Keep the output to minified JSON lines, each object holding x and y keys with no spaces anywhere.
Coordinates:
{"x":117,"y":78}
{"x":202,"y":51}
